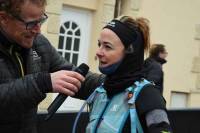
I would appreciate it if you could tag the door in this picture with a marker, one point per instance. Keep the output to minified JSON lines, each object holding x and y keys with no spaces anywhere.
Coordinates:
{"x":73,"y":45}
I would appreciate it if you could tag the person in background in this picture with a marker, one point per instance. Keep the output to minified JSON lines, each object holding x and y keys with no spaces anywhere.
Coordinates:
{"x":30,"y":66}
{"x":125,"y":102}
{"x":153,"y":70}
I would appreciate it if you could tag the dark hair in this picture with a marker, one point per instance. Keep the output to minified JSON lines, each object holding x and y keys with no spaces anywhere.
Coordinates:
{"x":156,"y":49}
{"x":142,"y":24}
{"x":14,"y":6}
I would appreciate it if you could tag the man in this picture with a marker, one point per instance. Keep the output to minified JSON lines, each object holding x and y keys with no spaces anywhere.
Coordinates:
{"x":29,"y":66}
{"x":153,"y":65}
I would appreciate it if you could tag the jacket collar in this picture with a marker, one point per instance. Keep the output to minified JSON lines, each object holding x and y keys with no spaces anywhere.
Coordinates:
{"x":7,"y":43}
{"x":160,"y":60}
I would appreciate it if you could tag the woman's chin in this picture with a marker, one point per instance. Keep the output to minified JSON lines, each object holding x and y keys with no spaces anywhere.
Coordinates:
{"x":103,"y":65}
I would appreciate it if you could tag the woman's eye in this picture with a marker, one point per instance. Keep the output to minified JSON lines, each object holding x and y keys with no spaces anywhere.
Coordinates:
{"x":108,"y":47}
{"x":104,"y":45}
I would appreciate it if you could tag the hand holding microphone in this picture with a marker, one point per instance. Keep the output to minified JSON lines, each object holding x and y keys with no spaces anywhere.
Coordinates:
{"x":67,"y":83}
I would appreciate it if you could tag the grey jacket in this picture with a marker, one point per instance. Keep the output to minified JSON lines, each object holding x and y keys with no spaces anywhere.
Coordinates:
{"x":19,"y":96}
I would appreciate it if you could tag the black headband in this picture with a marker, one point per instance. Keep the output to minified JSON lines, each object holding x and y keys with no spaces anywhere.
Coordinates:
{"x":127,"y":35}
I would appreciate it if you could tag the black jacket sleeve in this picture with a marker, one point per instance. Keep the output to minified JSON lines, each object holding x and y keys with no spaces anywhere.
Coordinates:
{"x":148,"y":100}
{"x":20,"y":95}
{"x":92,"y":81}
{"x":160,"y":128}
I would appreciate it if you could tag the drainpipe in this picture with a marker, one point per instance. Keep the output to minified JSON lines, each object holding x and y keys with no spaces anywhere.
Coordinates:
{"x":117,"y":8}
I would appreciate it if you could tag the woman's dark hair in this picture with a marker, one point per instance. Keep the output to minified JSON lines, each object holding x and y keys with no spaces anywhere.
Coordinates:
{"x":156,"y":49}
{"x":142,"y":24}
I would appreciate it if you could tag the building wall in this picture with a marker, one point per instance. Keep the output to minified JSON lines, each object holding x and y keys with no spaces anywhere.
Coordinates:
{"x":175,"y":24}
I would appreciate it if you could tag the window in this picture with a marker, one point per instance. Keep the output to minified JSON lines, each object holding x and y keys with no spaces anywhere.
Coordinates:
{"x":69,"y":41}
{"x":179,"y":100}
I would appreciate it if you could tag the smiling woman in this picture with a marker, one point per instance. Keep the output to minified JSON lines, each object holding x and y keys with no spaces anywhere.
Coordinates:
{"x":125,"y":97}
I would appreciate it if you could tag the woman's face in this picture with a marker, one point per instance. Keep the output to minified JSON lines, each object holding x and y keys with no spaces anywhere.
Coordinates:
{"x":111,"y":50}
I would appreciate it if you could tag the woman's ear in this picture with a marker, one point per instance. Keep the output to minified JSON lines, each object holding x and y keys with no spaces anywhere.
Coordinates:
{"x":130,"y":49}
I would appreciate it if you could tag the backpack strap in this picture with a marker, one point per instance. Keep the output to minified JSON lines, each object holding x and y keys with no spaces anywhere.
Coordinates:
{"x":133,"y":94}
{"x":88,"y":101}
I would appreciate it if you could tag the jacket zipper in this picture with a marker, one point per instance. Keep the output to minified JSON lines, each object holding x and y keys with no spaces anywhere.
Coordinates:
{"x":17,"y":63}
{"x":20,"y":64}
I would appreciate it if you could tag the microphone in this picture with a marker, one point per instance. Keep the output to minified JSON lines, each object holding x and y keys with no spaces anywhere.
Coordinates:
{"x":83,"y":70}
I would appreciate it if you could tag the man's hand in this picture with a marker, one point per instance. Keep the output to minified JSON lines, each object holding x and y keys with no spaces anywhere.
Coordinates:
{"x":66,"y":82}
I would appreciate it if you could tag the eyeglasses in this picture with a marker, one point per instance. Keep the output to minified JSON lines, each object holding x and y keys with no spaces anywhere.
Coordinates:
{"x":31,"y":24}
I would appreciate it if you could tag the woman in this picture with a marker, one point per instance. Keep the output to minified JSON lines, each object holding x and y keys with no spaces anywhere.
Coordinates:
{"x":125,"y":102}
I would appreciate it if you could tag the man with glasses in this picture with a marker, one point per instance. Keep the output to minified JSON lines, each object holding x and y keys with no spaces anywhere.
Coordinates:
{"x":29,"y":66}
